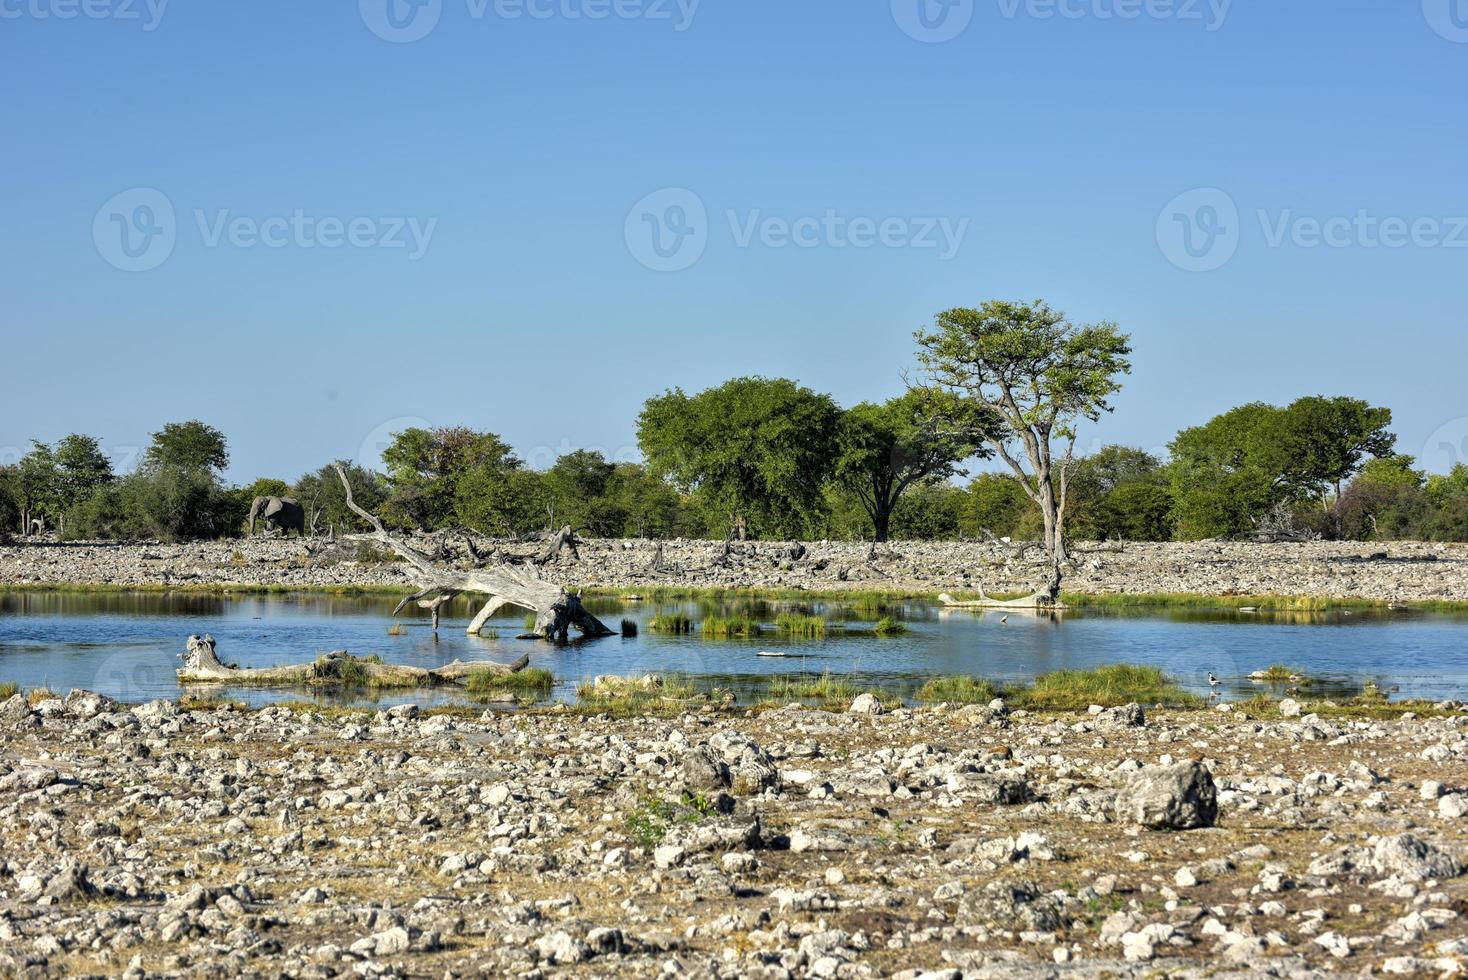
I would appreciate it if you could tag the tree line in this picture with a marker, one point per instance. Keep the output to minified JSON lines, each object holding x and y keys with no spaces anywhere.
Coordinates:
{"x":1003,"y":384}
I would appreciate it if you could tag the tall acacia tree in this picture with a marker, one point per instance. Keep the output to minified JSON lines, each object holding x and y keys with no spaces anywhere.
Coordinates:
{"x":1041,"y":375}
{"x":883,"y":450}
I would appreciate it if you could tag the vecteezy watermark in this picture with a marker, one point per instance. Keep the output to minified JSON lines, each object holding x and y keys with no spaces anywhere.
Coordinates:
{"x":936,"y":21}
{"x":668,"y":230}
{"x":933,"y":21}
{"x":1362,"y":230}
{"x":1209,"y":13}
{"x":136,"y":230}
{"x":1200,"y":230}
{"x":405,"y":21}
{"x":1448,"y":17}
{"x":148,"y":13}
{"x":1446,"y":448}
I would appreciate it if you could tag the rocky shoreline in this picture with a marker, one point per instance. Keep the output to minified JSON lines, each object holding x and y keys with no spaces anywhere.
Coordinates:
{"x":939,"y":842}
{"x":1395,"y":572}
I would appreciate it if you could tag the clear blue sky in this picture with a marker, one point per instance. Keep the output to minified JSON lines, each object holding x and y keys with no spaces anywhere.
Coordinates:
{"x":525,"y":142}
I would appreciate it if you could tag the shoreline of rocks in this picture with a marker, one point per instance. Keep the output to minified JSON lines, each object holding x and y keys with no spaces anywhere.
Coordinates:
{"x":1398,"y":572}
{"x":938,"y":842}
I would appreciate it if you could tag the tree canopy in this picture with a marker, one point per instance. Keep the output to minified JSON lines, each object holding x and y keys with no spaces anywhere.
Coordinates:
{"x":756,"y":452}
{"x":1041,"y":376}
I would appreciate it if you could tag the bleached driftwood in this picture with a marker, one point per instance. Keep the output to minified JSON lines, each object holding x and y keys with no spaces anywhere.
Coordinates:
{"x":556,"y":610}
{"x":203,"y":666}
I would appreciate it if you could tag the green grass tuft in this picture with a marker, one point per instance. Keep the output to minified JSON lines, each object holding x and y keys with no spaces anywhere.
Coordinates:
{"x":1117,"y":684}
{"x":889,"y":626}
{"x":675,"y":623}
{"x":830,"y":691}
{"x":654,"y":695}
{"x":958,"y":690}
{"x":8,"y":690}
{"x":531,"y":680}
{"x":795,"y":624}
{"x":725,"y":627}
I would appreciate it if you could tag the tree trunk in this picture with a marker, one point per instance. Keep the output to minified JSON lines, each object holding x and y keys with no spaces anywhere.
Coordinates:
{"x":882,"y":522}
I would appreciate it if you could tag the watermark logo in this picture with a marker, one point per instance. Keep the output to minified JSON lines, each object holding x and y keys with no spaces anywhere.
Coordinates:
{"x":405,"y":21}
{"x":149,"y":13}
{"x":668,"y":230}
{"x":933,"y":21}
{"x":1362,"y":230}
{"x":400,"y":21}
{"x":1446,"y":448}
{"x":1210,"y":13}
{"x":1449,"y":18}
{"x":1198,"y":231}
{"x":135,"y":230}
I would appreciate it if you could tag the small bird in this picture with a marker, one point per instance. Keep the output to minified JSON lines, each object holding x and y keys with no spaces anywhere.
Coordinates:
{"x":1213,"y":681}
{"x":1004,"y":619}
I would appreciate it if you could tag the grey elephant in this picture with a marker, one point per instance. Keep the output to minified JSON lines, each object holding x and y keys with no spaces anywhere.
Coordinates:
{"x":285,"y":513}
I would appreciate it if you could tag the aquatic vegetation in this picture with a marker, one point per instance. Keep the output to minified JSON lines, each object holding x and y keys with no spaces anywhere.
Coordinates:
{"x":675,"y":623}
{"x":652,"y":695}
{"x":1277,"y":673}
{"x":958,"y":690}
{"x":531,"y":680}
{"x":396,"y":629}
{"x":629,"y":627}
{"x":529,"y":622}
{"x":730,"y":627}
{"x":889,"y":626}
{"x":830,"y":690}
{"x":796,"y":624}
{"x":1107,"y":686}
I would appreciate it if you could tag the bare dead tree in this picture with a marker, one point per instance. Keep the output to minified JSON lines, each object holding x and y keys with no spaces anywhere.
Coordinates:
{"x":556,"y":610}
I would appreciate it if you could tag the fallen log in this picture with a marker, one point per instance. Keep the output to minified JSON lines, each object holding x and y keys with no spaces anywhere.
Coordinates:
{"x":203,"y":666}
{"x":556,"y":610}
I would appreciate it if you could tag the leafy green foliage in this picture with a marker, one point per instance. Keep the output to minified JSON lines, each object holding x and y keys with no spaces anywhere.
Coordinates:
{"x":1037,"y":376}
{"x":883,"y":450}
{"x":755,"y":449}
{"x":1228,"y":474}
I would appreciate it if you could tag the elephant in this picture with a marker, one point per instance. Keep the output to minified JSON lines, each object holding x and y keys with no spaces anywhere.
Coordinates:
{"x":285,"y":513}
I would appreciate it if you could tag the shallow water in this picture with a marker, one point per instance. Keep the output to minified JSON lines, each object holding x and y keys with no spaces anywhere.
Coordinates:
{"x":126,"y":645}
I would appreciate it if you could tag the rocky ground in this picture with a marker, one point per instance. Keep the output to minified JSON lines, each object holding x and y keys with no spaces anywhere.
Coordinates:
{"x":1396,"y":572}
{"x":936,"y":842}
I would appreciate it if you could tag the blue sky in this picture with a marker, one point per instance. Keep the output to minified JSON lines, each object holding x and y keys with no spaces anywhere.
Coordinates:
{"x":460,"y":226}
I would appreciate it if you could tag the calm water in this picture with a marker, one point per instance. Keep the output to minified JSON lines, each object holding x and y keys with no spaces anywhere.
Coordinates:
{"x":126,"y":645}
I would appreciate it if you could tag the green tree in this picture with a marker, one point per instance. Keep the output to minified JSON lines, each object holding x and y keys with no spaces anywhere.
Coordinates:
{"x":576,"y":490}
{"x":426,"y":467}
{"x":189,"y":445}
{"x":320,"y":493}
{"x":1121,"y":493}
{"x":81,"y":470}
{"x":1041,"y":376}
{"x":755,"y":450}
{"x":883,"y":450}
{"x":998,"y":505}
{"x":1231,"y":471}
{"x":33,"y":486}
